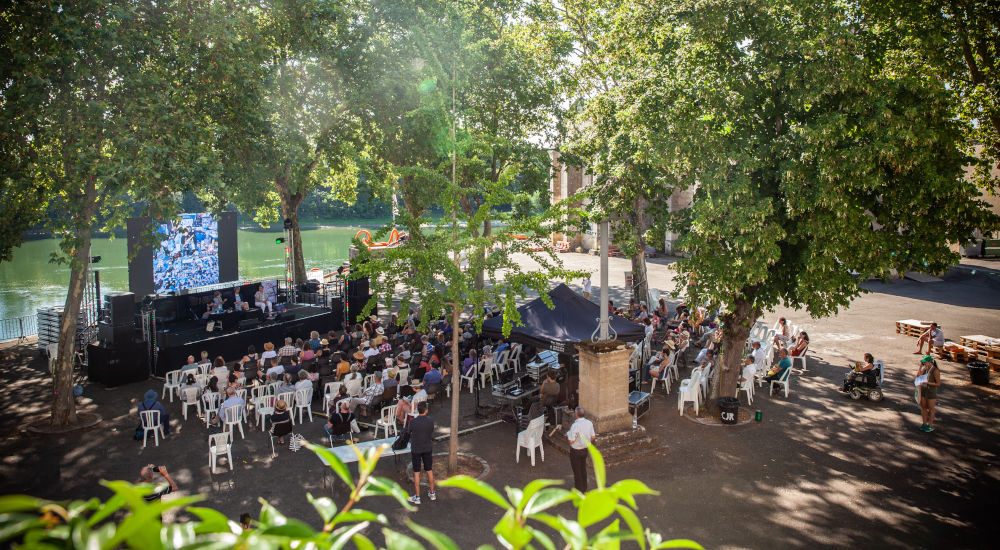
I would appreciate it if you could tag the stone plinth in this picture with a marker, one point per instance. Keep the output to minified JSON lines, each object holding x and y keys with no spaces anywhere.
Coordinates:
{"x":604,"y":385}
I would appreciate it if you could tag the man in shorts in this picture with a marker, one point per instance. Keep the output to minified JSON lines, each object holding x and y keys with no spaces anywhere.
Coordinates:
{"x":421,"y":449}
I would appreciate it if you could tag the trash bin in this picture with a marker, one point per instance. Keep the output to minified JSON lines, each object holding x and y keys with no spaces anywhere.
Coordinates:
{"x":729,"y":409}
{"x":979,"y":372}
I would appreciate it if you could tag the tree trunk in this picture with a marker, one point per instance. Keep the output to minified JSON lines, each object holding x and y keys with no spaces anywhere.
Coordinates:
{"x":480,"y":274}
{"x":640,"y":284}
{"x":63,"y":402}
{"x":290,"y":209}
{"x":735,"y":331}
{"x":456,"y":389}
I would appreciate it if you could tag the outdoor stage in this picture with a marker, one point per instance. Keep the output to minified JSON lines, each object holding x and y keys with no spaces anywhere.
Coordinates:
{"x":190,"y":338}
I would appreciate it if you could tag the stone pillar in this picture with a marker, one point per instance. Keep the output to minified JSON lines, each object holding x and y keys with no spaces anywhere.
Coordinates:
{"x":604,"y":385}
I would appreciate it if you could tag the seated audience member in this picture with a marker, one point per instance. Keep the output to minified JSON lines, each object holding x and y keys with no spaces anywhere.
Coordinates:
{"x":274,"y":368}
{"x":470,"y":362}
{"x":642,"y":314}
{"x":204,"y":359}
{"x":281,"y":421}
{"x":434,"y":375}
{"x":190,"y":365}
{"x":190,"y":384}
{"x":648,"y":327}
{"x":801,"y":343}
{"x":314,"y":341}
{"x":389,"y":377}
{"x":341,"y":395}
{"x":212,"y":385}
{"x":758,"y":353}
{"x":782,"y":337}
{"x":252,"y":354}
{"x":307,"y":352}
{"x":367,"y":396}
{"x":293,"y":365}
{"x":659,"y":369}
{"x":268,"y":352}
{"x":232,"y":399}
{"x":287,"y":384}
{"x":340,"y":419}
{"x":151,"y":403}
{"x":367,"y":351}
{"x":748,"y":373}
{"x":778,"y":370}
{"x":864,"y":372}
{"x":219,"y":367}
{"x":304,"y":382}
{"x":343,"y":367}
{"x":661,"y":310}
{"x":288,"y":349}
{"x":233,"y":382}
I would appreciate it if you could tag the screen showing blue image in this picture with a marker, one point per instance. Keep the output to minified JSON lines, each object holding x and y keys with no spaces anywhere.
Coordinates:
{"x":188,"y":255}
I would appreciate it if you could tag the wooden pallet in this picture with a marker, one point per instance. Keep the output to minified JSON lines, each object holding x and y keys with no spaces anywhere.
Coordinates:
{"x":956,"y":353}
{"x":979,"y":342}
{"x":912,"y":327}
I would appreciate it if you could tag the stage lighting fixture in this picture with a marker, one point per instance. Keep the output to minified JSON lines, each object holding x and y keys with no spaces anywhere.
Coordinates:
{"x":288,"y":223}
{"x":279,"y":240}
{"x":95,"y":259}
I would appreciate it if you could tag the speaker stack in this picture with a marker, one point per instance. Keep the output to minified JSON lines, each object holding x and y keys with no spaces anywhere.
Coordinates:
{"x":119,"y":359}
{"x":118,"y":325}
{"x":357,"y":298}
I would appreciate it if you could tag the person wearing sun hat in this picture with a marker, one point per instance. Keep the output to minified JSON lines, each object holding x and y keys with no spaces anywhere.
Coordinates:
{"x":281,"y":421}
{"x":928,"y":391}
{"x":150,"y":403}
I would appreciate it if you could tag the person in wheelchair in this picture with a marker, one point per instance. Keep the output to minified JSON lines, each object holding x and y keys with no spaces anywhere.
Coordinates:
{"x":865,"y":374}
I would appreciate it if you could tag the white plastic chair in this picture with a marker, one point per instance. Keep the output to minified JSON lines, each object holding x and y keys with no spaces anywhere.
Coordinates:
{"x":747,"y":388}
{"x":881,"y":371}
{"x":368,"y":381}
{"x":303,"y":403}
{"x":531,"y":438}
{"x":486,"y":368}
{"x":172,"y":384}
{"x":689,"y":390}
{"x":203,"y":368}
{"x":783,"y":381}
{"x":289,"y":399}
{"x":706,"y":379}
{"x":210,"y":401}
{"x":232,"y":417}
{"x":263,"y":407}
{"x":151,"y":423}
{"x":404,"y":375}
{"x":220,"y":444}
{"x":472,"y":377}
{"x":189,"y":397}
{"x":330,"y":390}
{"x":797,"y":358}
{"x":201,"y":379}
{"x":387,"y":421}
{"x":353,"y":385}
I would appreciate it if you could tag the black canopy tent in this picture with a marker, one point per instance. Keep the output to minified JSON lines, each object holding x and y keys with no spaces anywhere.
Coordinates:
{"x":573,"y":320}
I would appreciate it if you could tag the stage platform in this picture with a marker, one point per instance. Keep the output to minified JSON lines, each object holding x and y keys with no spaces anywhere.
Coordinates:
{"x":179,"y":340}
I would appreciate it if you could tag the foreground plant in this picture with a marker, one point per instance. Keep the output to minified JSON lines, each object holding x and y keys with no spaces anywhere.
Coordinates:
{"x":127,"y":520}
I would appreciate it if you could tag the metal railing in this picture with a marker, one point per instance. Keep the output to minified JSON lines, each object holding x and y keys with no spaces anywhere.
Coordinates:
{"x":18,"y":328}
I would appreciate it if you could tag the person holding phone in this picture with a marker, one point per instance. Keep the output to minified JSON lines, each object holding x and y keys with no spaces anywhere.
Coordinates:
{"x":146,"y":476}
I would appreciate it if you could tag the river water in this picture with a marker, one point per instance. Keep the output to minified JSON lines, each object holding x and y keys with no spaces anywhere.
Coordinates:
{"x":30,"y":281}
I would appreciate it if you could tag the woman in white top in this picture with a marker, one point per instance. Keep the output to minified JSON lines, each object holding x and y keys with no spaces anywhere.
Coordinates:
{"x":262,"y":300}
{"x":268,"y":353}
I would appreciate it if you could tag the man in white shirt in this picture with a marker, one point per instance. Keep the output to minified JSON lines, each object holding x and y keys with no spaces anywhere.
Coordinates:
{"x":275,"y":369}
{"x":749,"y":371}
{"x":368,"y":351}
{"x":581,"y":434}
{"x":933,"y":336}
{"x":758,"y":354}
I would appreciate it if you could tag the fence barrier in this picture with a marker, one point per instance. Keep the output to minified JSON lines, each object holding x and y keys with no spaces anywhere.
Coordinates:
{"x":18,"y":328}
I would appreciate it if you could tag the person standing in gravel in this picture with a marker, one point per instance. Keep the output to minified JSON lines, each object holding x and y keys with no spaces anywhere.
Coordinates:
{"x":928,"y":391}
{"x":421,"y":449}
{"x":581,"y":435}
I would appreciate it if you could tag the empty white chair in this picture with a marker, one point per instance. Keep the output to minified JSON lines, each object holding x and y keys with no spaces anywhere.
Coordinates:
{"x":690,"y":390}
{"x":201,"y":379}
{"x":263,"y":408}
{"x":329,"y":394}
{"x":303,"y":403}
{"x":783,"y":381}
{"x":151,"y":423}
{"x":404,"y":375}
{"x":232,"y":417}
{"x":203,"y":368}
{"x":210,"y":401}
{"x":531,"y":438}
{"x":706,"y":379}
{"x":386,"y":421}
{"x":171,"y":384}
{"x":220,"y":444}
{"x":486,"y":368}
{"x":190,"y":396}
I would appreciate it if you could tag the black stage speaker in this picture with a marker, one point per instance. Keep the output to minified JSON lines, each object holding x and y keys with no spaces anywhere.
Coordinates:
{"x":120,"y":308}
{"x":249,"y":323}
{"x":115,"y":335}
{"x":355,"y":305}
{"x":122,"y":364}
{"x":287,"y":316}
{"x":358,"y":288}
{"x":163,"y":339}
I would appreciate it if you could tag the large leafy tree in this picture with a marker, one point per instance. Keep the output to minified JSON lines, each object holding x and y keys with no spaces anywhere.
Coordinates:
{"x":101,"y":101}
{"x":814,"y":148}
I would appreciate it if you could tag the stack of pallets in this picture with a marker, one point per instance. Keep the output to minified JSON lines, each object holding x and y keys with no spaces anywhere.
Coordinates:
{"x":988,"y":348}
{"x":912,"y":327}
